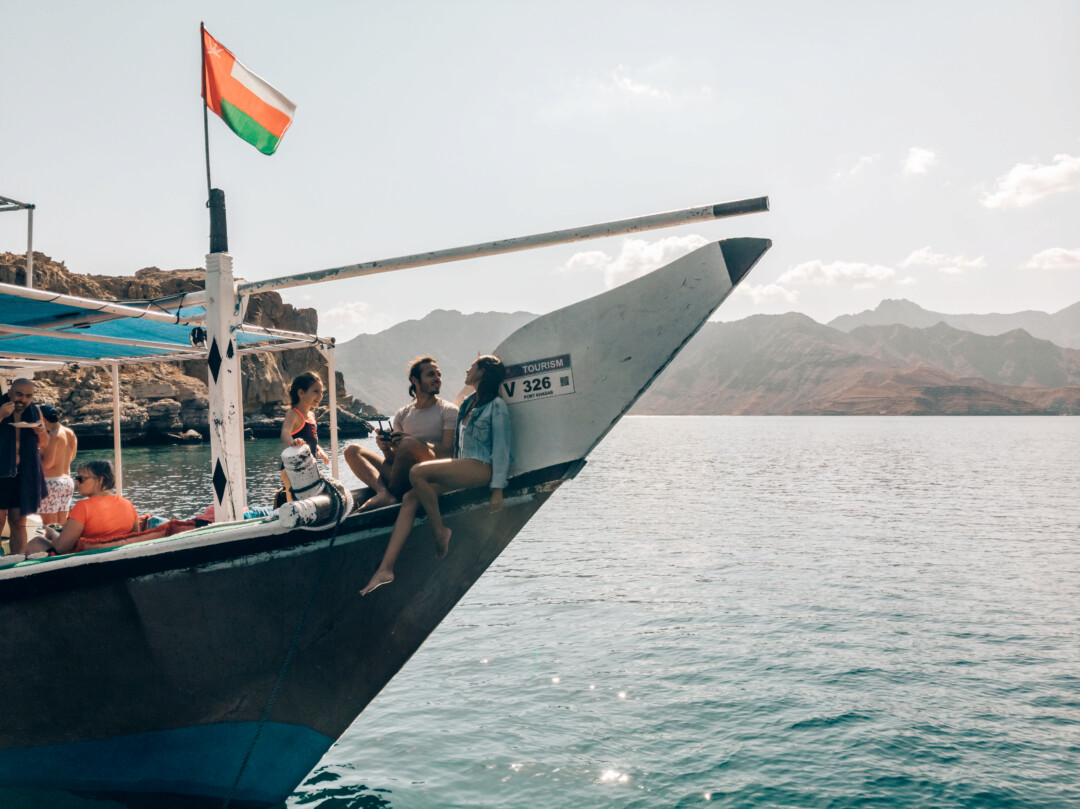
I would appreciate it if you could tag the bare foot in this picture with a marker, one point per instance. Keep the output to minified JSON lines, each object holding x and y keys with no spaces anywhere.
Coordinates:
{"x":378,"y":580}
{"x":442,"y":542}
{"x":378,"y":501}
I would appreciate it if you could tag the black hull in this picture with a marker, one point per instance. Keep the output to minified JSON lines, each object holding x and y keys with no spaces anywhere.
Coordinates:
{"x":182,"y":649}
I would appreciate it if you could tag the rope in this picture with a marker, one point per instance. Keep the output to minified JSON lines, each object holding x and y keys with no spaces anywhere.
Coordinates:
{"x":324,"y":564}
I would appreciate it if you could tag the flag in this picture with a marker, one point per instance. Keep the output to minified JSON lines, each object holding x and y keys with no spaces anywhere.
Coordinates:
{"x":248,"y":105}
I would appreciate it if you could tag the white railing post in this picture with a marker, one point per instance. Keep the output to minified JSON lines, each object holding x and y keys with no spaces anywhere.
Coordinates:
{"x":333,"y":411}
{"x":114,"y":372}
{"x":30,"y":246}
{"x":223,"y":377}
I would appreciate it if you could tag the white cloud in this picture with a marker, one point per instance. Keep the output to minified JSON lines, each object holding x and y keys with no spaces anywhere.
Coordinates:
{"x":919,"y":161}
{"x":860,"y":164}
{"x":636,"y":258}
{"x":766,"y":293}
{"x":666,"y":83}
{"x":946,"y":264}
{"x":1026,"y":184}
{"x":818,"y":273}
{"x":1054,"y":258}
{"x":349,"y":319}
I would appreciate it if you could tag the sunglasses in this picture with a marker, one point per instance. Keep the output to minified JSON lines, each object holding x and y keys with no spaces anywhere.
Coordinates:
{"x":81,"y":478}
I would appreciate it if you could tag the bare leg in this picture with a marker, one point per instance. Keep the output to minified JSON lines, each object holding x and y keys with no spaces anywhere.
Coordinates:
{"x":408,"y":453}
{"x":429,"y":479}
{"x":18,"y":531}
{"x":369,"y":468}
{"x":288,"y":486}
{"x":402,"y":528}
{"x":3,"y":520}
{"x":49,"y":519}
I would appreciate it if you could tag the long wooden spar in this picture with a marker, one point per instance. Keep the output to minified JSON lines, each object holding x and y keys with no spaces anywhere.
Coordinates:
{"x":701,"y":213}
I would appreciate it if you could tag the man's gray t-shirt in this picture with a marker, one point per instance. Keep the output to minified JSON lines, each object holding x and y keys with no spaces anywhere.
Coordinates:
{"x":427,"y":423}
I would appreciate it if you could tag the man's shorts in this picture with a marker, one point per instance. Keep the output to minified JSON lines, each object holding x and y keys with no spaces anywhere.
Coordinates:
{"x":59,"y":495}
{"x":9,"y":493}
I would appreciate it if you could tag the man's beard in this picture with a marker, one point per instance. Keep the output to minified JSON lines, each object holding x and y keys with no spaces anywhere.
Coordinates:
{"x":20,"y":407}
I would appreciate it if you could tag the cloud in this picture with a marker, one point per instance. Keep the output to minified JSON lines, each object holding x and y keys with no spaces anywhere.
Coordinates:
{"x":1054,"y":258}
{"x":919,"y":161}
{"x":636,"y":258}
{"x":349,"y":319}
{"x":766,"y":293}
{"x":1026,"y":184}
{"x":667,"y":83}
{"x":946,"y":264}
{"x":860,"y":164}
{"x":818,"y":273}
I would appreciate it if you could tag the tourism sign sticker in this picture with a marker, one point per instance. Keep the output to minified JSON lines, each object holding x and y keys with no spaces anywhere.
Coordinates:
{"x":538,"y":379}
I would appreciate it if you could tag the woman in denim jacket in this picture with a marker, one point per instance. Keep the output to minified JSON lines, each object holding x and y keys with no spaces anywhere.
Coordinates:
{"x":481,"y":458}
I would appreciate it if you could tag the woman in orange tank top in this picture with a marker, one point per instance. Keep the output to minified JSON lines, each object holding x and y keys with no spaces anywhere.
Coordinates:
{"x":101,"y":515}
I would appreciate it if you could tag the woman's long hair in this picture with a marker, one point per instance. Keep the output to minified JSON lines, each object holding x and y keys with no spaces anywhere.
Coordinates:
{"x":302,"y":382}
{"x":493,"y":372}
{"x":99,"y":469}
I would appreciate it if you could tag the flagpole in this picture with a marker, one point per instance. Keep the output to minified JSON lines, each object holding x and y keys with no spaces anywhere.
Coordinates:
{"x":205,"y":114}
{"x":215,"y":201}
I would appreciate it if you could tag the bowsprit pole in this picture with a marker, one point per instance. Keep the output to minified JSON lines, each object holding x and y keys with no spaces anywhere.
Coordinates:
{"x":215,"y":197}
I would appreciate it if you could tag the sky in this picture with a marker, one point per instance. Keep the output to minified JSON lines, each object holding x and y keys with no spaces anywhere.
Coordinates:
{"x":919,"y":150}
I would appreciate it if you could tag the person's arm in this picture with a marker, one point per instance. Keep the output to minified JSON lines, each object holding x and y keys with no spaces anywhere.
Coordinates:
{"x":64,"y":541}
{"x":445,"y":448}
{"x":6,"y":409}
{"x":500,"y":451}
{"x":288,"y":427}
{"x":42,"y":433}
{"x":48,"y":454}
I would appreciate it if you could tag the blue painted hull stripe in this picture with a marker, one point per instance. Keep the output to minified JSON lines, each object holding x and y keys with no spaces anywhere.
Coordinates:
{"x":201,"y":760}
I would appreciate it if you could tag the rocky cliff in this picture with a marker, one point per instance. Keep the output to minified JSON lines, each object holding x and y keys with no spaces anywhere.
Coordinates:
{"x":165,"y":399}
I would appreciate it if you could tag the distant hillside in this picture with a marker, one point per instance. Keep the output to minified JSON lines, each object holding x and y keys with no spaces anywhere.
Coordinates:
{"x":375,"y":366}
{"x":772,"y":365}
{"x":789,"y":364}
{"x":1061,"y":328}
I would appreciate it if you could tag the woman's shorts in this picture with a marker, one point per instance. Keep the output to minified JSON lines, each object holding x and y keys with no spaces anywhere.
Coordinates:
{"x":59,"y":495}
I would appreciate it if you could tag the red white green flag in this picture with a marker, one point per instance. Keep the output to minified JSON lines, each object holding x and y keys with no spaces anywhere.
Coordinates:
{"x":248,"y":105}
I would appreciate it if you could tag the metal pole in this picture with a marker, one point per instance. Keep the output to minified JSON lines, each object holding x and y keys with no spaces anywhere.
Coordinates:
{"x":618,"y":227}
{"x":90,"y":338}
{"x":205,"y":113}
{"x":329,"y":351}
{"x":29,"y":246}
{"x":115,"y":370}
{"x":243,"y":441}
{"x":92,"y":305}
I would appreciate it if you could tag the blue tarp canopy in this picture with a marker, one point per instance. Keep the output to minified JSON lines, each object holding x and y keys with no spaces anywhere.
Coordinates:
{"x":125,"y":337}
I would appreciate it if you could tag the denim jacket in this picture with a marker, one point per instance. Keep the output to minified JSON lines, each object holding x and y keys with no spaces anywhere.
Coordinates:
{"x":486,"y":437}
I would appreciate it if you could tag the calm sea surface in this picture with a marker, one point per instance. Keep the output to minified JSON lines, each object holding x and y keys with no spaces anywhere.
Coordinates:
{"x":744,"y":612}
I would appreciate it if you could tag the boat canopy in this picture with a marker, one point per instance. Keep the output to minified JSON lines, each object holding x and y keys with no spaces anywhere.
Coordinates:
{"x":46,"y":329}
{"x":42,"y":330}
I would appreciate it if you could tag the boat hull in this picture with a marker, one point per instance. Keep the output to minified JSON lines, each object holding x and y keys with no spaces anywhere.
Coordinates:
{"x":149,"y":668}
{"x":194,"y":651}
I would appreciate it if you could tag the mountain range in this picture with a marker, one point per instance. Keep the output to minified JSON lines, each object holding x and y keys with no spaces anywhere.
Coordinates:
{"x":891,"y":360}
{"x":1062,"y":328}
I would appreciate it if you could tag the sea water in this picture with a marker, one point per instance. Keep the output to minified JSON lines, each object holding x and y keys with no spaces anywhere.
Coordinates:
{"x":743,"y":612}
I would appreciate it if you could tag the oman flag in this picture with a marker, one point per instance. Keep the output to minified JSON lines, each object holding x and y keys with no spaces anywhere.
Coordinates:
{"x":248,"y":105}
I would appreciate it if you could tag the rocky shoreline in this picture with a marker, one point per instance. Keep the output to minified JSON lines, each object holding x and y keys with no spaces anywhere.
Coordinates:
{"x":167,"y":403}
